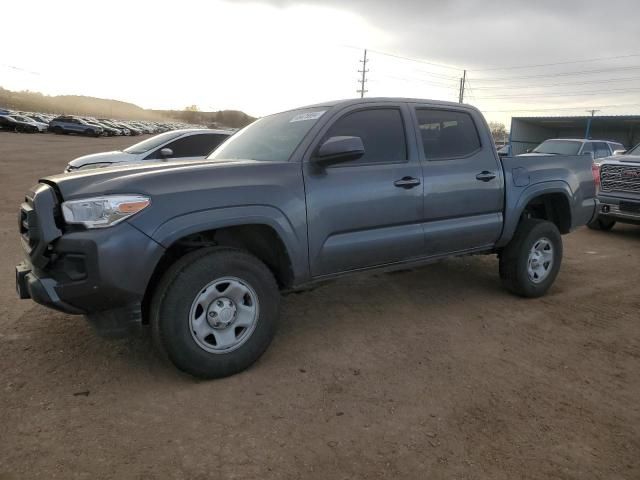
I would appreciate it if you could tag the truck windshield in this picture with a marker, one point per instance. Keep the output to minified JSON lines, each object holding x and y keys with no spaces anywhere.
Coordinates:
{"x":634,"y":151}
{"x":269,"y":139}
{"x":559,"y":147}
{"x":153,"y":142}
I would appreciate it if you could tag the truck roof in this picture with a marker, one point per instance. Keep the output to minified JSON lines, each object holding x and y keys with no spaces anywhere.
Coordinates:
{"x":356,"y":101}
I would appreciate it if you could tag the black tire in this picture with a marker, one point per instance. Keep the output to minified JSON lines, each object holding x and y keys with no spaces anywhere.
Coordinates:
{"x":601,"y":223}
{"x":177,"y":290}
{"x":57,"y":130}
{"x":514,"y":259}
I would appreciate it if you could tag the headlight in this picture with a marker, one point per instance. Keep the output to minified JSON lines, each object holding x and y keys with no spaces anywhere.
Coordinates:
{"x":100,"y":212}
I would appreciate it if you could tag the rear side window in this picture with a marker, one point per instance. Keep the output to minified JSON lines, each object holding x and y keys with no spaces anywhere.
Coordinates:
{"x":447,"y":134}
{"x":381,"y":131}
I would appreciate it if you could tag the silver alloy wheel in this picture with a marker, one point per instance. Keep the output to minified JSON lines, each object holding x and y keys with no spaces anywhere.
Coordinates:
{"x":540,"y":260}
{"x":224,"y":315}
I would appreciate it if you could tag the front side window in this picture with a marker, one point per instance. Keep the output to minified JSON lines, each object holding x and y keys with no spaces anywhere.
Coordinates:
{"x":602,"y":150}
{"x":381,"y":131}
{"x":447,"y":134}
{"x":199,"y":145}
{"x":153,"y":142}
{"x":588,"y":148}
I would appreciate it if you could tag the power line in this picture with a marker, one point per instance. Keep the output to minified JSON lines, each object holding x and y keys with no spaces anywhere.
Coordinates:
{"x":561,"y":74}
{"x":515,"y":67}
{"x":560,"y":109}
{"x":574,"y":94}
{"x":429,"y":82}
{"x":606,"y":80}
{"x":410,"y":59}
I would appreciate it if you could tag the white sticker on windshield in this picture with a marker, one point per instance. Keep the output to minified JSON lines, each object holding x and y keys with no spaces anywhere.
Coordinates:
{"x":301,"y":117}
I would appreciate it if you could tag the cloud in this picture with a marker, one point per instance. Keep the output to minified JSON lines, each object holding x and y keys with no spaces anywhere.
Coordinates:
{"x":477,"y":33}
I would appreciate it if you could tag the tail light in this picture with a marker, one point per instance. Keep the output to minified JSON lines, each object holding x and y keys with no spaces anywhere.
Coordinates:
{"x":595,"y":171}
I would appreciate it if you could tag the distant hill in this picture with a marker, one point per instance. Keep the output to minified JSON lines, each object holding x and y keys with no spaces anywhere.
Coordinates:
{"x":101,"y":107}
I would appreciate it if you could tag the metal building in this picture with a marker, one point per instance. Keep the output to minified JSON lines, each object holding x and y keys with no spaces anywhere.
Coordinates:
{"x":527,"y":132}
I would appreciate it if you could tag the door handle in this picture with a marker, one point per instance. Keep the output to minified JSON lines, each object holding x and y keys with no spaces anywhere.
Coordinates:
{"x":407,"y":182}
{"x":485,"y":176}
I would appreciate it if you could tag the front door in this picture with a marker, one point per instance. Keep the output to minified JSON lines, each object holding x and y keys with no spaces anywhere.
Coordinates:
{"x":368,"y":211}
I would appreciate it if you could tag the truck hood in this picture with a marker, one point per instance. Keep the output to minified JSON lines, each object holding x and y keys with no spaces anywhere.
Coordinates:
{"x":103,"y":157}
{"x":179,"y":188}
{"x":621,"y":159}
{"x":142,"y":177}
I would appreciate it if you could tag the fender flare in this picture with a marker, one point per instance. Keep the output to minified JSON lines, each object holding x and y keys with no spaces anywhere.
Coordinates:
{"x":525,"y":195}
{"x":178,"y":227}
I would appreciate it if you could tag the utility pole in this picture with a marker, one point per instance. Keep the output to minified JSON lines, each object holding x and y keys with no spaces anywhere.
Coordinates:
{"x":587,"y":133}
{"x":463,"y":80}
{"x":364,"y":71}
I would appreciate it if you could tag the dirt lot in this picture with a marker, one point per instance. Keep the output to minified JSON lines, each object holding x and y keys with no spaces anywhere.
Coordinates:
{"x":431,"y":373}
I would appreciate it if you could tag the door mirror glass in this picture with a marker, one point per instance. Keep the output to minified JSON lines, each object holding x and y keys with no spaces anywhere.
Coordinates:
{"x":166,"y":152}
{"x":340,"y":149}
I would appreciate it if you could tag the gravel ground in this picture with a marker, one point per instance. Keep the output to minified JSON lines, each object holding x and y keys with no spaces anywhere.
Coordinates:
{"x":430,"y":373}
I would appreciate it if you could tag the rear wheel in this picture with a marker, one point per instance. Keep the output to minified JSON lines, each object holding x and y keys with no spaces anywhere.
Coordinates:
{"x":530,"y":263}
{"x":214,"y":312}
{"x":57,"y":130}
{"x":602,"y":223}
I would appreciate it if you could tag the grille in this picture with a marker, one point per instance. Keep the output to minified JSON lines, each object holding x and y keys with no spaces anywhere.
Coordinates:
{"x":620,"y":178}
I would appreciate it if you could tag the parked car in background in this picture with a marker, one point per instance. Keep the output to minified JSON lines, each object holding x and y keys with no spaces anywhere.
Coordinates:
{"x":598,"y":149}
{"x":70,"y":124}
{"x":619,"y":193}
{"x":41,"y":126}
{"x":132,"y":130}
{"x":201,"y":250}
{"x":109,"y":123}
{"x":192,"y":144}
{"x":504,"y":151}
{"x":13,"y":124}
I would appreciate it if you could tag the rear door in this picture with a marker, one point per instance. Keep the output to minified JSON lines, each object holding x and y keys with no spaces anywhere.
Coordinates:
{"x":463,"y":181}
{"x":368,"y":211}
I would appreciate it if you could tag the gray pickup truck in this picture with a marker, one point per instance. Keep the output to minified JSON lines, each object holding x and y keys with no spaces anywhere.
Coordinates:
{"x":202,"y":250}
{"x":619,"y":194}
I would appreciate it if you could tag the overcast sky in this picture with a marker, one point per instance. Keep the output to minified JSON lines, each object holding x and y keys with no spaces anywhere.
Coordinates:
{"x":265,"y":56}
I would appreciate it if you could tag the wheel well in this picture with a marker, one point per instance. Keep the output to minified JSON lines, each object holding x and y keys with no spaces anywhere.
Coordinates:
{"x":261,"y":241}
{"x":553,"y":207}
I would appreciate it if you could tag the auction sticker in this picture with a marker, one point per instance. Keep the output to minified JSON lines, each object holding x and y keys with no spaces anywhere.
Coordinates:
{"x":301,"y":117}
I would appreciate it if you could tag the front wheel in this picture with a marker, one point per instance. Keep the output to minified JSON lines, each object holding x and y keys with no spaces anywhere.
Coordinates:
{"x":530,"y":262}
{"x":215,"y":311}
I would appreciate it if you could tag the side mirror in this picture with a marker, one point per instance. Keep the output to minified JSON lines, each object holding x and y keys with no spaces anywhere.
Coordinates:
{"x":340,"y":149}
{"x":166,"y":152}
{"x":591,"y":154}
{"x":529,"y":150}
{"x":619,"y":152}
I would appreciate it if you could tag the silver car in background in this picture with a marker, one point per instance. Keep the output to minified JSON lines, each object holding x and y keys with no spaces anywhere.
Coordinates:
{"x":186,"y":144}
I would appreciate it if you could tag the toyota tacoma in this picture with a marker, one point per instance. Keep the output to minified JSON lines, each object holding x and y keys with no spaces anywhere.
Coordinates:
{"x":201,"y":250}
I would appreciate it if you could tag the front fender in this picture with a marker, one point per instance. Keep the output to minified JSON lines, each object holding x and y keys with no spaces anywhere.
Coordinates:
{"x":211,"y":219}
